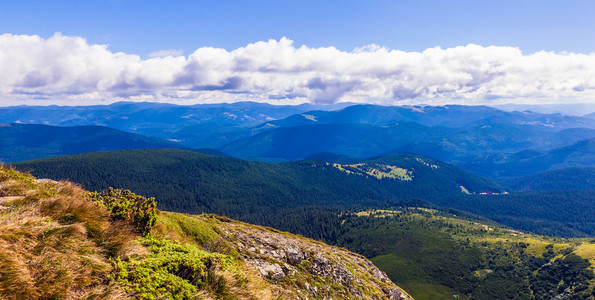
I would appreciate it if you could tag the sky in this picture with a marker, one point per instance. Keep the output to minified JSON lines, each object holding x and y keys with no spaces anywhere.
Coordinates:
{"x":289,"y":52}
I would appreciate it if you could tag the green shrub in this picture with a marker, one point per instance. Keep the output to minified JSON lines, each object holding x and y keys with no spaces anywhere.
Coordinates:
{"x":138,"y":210}
{"x":173,"y":271}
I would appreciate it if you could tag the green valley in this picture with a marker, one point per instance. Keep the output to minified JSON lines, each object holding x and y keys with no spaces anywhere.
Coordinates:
{"x":435,"y":255}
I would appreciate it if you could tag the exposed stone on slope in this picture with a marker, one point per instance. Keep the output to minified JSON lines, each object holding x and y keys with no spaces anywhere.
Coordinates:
{"x":282,"y":257}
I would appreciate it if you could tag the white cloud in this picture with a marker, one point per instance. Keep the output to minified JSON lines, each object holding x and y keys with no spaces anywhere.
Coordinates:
{"x":67,"y":70}
{"x":167,"y":52}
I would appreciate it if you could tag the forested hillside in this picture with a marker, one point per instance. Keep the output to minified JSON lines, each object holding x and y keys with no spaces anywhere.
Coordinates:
{"x":438,"y":254}
{"x":556,"y":180}
{"x":528,"y":162}
{"x":555,"y":213}
{"x":186,"y":181}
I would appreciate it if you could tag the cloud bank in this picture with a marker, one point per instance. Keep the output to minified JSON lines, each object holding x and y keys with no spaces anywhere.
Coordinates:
{"x":68,"y":70}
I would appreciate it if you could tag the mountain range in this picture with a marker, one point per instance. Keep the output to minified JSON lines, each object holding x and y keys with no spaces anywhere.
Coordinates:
{"x":457,"y":134}
{"x":364,"y":140}
{"x":453,"y":116}
{"x":491,"y":142}
{"x":527,"y":162}
{"x":196,"y":126}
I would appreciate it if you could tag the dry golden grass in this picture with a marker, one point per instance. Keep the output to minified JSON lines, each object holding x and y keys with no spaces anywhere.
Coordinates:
{"x":54,"y":244}
{"x":587,"y":251}
{"x":248,"y":285}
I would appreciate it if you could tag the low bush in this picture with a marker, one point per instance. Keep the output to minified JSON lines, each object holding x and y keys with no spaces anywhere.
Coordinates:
{"x":137,"y":210}
{"x":173,"y":271}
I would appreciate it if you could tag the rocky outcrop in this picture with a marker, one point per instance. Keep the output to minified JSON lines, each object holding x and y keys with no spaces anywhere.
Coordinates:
{"x":315,"y":269}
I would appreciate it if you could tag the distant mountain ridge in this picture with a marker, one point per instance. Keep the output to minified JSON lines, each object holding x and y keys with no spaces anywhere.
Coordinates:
{"x":20,"y":142}
{"x":480,"y":138}
{"x":298,"y":142}
{"x":447,"y":116}
{"x":196,"y":126}
{"x":213,"y":125}
{"x":580,"y":154}
{"x":365,"y":140}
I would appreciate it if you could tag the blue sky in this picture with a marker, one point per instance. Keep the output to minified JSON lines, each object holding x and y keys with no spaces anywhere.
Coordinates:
{"x":142,"y":27}
{"x":384,"y":52}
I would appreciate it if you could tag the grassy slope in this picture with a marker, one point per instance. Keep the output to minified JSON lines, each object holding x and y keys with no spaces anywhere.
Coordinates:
{"x":57,"y":244}
{"x":434,"y":255}
{"x":50,"y":241}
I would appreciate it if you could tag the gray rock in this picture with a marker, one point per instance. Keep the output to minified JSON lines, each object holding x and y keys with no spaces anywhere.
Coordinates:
{"x":396,"y":294}
{"x":269,"y":270}
{"x":45,"y":180}
{"x":320,"y":266}
{"x":295,"y":256}
{"x":276,"y":256}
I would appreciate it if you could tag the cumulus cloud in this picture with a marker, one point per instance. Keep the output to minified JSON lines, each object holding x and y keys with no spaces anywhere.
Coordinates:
{"x":166,"y":52}
{"x":68,"y":70}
